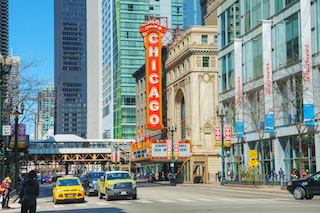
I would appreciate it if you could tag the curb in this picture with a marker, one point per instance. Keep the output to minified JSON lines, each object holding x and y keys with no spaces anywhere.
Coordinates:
{"x":237,"y":188}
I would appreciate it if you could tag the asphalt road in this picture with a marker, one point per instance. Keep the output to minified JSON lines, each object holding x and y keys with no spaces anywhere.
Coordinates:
{"x":199,"y":198}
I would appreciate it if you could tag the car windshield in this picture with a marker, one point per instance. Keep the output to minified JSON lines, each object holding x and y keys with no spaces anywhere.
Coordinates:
{"x":95,"y":175}
{"x":316,"y":177}
{"x":69,"y":182}
{"x":118,"y":176}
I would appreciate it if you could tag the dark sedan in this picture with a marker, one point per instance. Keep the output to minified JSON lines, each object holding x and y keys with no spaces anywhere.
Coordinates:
{"x":46,"y":179}
{"x":306,"y":188}
{"x":90,"y":182}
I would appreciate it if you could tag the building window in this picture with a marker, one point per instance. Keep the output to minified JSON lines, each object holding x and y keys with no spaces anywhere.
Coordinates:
{"x":292,"y":38}
{"x":141,"y":114}
{"x":216,"y":39}
{"x":266,"y":9}
{"x":257,"y":56}
{"x":238,"y":19}
{"x":183,"y":115}
{"x":205,"y":61}
{"x":182,"y":68}
{"x":256,"y":13}
{"x":141,"y":97}
{"x":151,"y":7}
{"x":278,"y":5}
{"x":230,"y":24}
{"x":130,"y":7}
{"x":289,"y":2}
{"x":223,"y":30}
{"x":204,"y":39}
{"x":247,"y":16}
{"x":231,"y":80}
{"x":223,"y":73}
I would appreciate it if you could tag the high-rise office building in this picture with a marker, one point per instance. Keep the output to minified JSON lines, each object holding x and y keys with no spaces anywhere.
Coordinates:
{"x":70,"y":67}
{"x":123,"y":53}
{"x":44,"y":116}
{"x":191,"y":13}
{"x":4,"y":27}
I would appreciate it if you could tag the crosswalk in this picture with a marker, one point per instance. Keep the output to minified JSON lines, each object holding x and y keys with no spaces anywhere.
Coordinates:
{"x":102,"y":203}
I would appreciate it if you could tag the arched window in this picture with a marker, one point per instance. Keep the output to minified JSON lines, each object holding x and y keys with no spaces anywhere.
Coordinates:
{"x":188,"y":64}
{"x":178,"y":71}
{"x":182,"y":68}
{"x":183,"y":115}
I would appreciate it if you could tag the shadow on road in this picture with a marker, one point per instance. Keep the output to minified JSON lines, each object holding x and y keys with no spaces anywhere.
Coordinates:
{"x":93,"y":210}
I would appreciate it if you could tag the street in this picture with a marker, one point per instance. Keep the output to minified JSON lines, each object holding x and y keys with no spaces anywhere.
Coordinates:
{"x":197,"y":198}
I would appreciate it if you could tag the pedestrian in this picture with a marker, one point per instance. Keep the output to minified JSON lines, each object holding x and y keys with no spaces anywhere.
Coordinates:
{"x":295,"y":174}
{"x":5,"y":186}
{"x":274,"y":175}
{"x":29,"y":192}
{"x":281,"y":173}
{"x":304,"y":174}
{"x":219,"y":175}
{"x":162,"y":176}
{"x":231,"y":175}
{"x":169,"y":176}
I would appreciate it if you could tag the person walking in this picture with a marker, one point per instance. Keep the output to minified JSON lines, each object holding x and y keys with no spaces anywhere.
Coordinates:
{"x":281,"y":173}
{"x":295,"y":174}
{"x":219,"y":175}
{"x":29,"y":192}
{"x":231,"y":175}
{"x":5,"y":186}
{"x":162,"y":176}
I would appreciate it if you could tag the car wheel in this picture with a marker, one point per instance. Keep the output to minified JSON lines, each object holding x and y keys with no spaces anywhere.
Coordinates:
{"x":134,"y":197}
{"x":54,"y":200}
{"x":107,"y":197}
{"x":100,"y":195}
{"x":309,"y":197}
{"x":299,"y":193}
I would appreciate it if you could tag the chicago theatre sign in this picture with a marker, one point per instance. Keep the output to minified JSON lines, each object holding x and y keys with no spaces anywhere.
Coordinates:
{"x":153,"y":34}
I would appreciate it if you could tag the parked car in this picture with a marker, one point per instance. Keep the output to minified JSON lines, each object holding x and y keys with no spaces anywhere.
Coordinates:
{"x":46,"y":179}
{"x":90,"y":182}
{"x":306,"y":188}
{"x":68,"y":189}
{"x":117,"y":184}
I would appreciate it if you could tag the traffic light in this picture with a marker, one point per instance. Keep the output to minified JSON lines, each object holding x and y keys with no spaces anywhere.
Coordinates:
{"x":1,"y":148}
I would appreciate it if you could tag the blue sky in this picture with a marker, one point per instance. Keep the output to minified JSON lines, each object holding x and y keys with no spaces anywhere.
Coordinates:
{"x":31,"y":36}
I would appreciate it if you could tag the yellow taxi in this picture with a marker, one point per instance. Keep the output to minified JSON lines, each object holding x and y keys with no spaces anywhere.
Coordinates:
{"x":68,"y":189}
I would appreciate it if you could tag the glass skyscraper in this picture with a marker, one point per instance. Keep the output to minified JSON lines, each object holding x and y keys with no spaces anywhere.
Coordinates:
{"x":70,"y":71}
{"x":123,"y":53}
{"x":191,"y":13}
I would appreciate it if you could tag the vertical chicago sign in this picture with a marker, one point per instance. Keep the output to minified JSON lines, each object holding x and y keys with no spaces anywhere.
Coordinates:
{"x":153,"y":34}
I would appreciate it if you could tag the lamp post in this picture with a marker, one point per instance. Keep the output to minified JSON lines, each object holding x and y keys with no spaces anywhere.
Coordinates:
{"x":223,"y":156}
{"x":17,"y":113}
{"x":116,"y":146}
{"x":172,"y":130}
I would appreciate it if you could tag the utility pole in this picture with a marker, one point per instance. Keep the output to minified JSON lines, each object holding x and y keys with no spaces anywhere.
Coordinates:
{"x":116,"y":146}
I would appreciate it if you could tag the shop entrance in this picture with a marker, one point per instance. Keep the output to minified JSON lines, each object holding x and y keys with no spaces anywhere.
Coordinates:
{"x":194,"y":170}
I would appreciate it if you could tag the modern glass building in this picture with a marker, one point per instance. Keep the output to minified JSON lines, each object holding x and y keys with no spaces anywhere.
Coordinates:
{"x":46,"y":110}
{"x":191,"y":13}
{"x":70,"y":67}
{"x":4,"y":27}
{"x":123,"y":53}
{"x":269,"y":60}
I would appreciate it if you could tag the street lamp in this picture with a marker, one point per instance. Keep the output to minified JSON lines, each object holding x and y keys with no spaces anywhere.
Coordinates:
{"x":223,"y":156}
{"x":17,"y":113}
{"x":116,"y":146}
{"x":172,"y":130}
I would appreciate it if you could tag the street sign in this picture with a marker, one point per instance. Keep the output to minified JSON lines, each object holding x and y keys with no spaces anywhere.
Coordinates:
{"x":253,"y":154}
{"x":217,"y":130}
{"x":171,"y":164}
{"x":6,"y":130}
{"x":253,"y":163}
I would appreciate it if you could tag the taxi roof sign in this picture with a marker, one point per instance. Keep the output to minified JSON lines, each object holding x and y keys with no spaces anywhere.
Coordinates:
{"x":253,"y":163}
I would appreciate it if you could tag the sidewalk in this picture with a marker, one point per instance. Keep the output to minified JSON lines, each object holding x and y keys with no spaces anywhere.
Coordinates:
{"x":276,"y":190}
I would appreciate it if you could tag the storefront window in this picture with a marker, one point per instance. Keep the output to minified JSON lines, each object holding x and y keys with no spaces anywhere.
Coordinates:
{"x":292,"y":38}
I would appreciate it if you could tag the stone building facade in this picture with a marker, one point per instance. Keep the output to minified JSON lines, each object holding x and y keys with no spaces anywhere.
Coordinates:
{"x":193,"y":92}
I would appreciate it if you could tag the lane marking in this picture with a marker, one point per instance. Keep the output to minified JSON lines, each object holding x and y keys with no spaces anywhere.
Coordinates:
{"x":103,"y":204}
{"x":81,"y":205}
{"x":203,"y":199}
{"x":186,"y":200}
{"x":123,"y":202}
{"x":166,"y":201}
{"x":224,"y":199}
{"x":58,"y":206}
{"x":143,"y":201}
